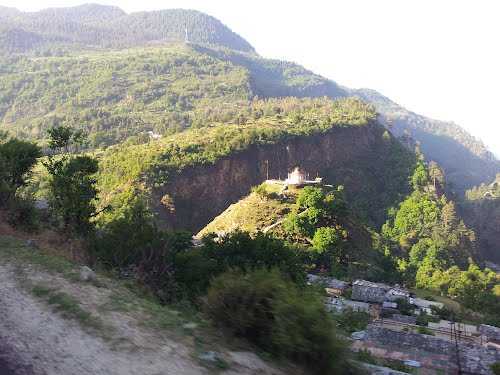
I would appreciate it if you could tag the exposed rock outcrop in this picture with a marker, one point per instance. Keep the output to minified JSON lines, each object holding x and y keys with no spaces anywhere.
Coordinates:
{"x":366,"y":159}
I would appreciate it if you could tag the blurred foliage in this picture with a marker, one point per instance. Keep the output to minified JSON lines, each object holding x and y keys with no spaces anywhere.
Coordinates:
{"x":279,"y":318}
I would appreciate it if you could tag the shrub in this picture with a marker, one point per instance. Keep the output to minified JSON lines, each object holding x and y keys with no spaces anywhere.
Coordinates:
{"x":298,"y":225}
{"x":425,"y":331}
{"x":405,"y":307}
{"x":423,"y":319}
{"x":134,"y":241}
{"x":260,"y":190}
{"x":17,"y":159}
{"x":196,"y":267}
{"x":311,"y":196}
{"x":365,"y":356}
{"x":23,"y":214}
{"x":352,"y":321}
{"x":277,"y":316}
{"x":120,"y":242}
{"x":442,"y":312}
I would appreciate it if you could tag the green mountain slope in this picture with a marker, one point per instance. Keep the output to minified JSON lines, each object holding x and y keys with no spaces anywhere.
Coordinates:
{"x":118,"y":93}
{"x":99,"y":26}
{"x":189,"y":178}
{"x":481,"y":211}
{"x":466,"y":159}
{"x":114,"y":95}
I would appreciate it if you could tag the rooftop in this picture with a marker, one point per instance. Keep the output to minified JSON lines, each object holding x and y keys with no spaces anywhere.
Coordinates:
{"x":370,"y":284}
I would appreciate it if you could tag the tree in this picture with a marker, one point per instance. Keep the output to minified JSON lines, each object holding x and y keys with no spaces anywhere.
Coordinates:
{"x":331,"y":249}
{"x":416,"y":217}
{"x":73,"y":192}
{"x":310,"y":197}
{"x":326,"y":239}
{"x":65,"y":139}
{"x":449,"y":216}
{"x":420,"y":178}
{"x":436,"y":175}
{"x":17,"y":159}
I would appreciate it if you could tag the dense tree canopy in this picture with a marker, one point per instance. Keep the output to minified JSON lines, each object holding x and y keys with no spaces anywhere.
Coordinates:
{"x":434,"y":248}
{"x":72,"y":184}
{"x":17,"y":158}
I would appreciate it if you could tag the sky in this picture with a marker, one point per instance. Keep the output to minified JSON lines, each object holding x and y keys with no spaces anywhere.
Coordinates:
{"x":439,"y":58}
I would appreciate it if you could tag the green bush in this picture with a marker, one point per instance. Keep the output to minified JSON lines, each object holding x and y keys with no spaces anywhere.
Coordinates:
{"x":277,"y":316}
{"x":196,"y":268}
{"x":260,"y":190}
{"x":425,"y":331}
{"x":442,"y":312}
{"x":23,"y":214}
{"x":365,"y":356}
{"x":119,"y":244}
{"x":405,"y":307}
{"x":352,"y":321}
{"x":134,"y":241}
{"x":17,"y":159}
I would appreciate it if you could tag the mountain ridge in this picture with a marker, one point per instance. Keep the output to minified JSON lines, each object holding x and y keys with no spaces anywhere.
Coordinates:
{"x":172,"y":102}
{"x":102,"y":26}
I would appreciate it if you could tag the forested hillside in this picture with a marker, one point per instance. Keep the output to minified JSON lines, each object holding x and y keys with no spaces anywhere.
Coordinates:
{"x":190,"y":177}
{"x":52,"y":31}
{"x":466,"y":159}
{"x":119,"y":140}
{"x":115,"y":95}
{"x":481,"y":211}
{"x":94,"y":67}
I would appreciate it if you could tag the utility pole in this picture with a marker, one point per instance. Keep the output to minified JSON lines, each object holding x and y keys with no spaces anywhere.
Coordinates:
{"x":456,"y":336}
{"x":267,"y":169}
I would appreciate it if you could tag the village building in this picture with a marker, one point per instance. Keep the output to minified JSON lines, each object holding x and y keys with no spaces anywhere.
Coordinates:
{"x":424,"y":305}
{"x":396,"y":293}
{"x":154,"y":135}
{"x":368,"y":291}
{"x":357,"y":306}
{"x":296,"y":177}
{"x":389,"y":305}
{"x":490,"y":335}
{"x":333,"y":287}
{"x":339,"y":304}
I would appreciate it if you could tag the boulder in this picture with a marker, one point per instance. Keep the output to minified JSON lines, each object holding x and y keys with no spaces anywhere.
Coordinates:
{"x":31,"y":244}
{"x":86,"y":274}
{"x":211,"y":357}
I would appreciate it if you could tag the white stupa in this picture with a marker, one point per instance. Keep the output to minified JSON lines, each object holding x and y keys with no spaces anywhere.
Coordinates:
{"x":296,"y":177}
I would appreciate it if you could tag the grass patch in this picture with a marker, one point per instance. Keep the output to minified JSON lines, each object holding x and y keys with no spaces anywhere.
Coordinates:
{"x":253,"y":212}
{"x":425,"y":331}
{"x":41,"y":291}
{"x":68,"y":307}
{"x":17,"y":251}
{"x":117,"y":302}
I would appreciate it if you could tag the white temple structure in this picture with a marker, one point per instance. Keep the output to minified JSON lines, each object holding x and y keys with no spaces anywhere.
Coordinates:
{"x":297,"y":177}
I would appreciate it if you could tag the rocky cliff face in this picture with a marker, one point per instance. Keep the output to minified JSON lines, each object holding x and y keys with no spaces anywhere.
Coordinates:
{"x":371,"y":164}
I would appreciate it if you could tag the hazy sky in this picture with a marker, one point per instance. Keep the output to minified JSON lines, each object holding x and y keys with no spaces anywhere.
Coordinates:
{"x":440,"y":58}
